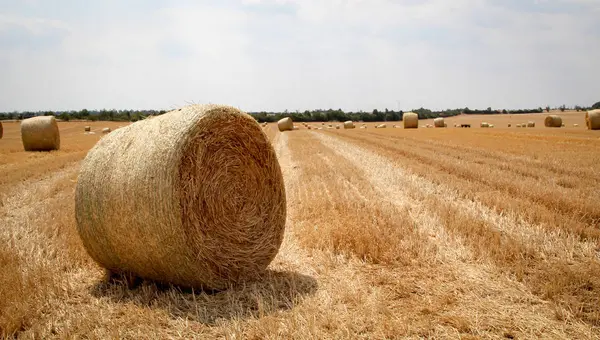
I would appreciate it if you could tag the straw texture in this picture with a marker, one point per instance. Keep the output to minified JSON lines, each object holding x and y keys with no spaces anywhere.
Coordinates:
{"x":40,"y":134}
{"x":410,"y":120}
{"x":553,"y":121}
{"x":194,"y":197}
{"x":285,"y":124}
{"x":592,"y":120}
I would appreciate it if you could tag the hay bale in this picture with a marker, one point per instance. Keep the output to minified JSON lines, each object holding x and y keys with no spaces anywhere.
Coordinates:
{"x":553,"y":121}
{"x":410,"y":120}
{"x":530,"y":124}
{"x":285,"y":124}
{"x":592,"y":119}
{"x":106,"y":130}
{"x":349,"y":125}
{"x":40,"y":134}
{"x":363,"y":127}
{"x":491,"y":125}
{"x":484,"y":125}
{"x":87,"y":128}
{"x":381,"y":126}
{"x":509,"y":125}
{"x":575,"y":125}
{"x":438,"y":122}
{"x":194,"y":197}
{"x":1,"y":130}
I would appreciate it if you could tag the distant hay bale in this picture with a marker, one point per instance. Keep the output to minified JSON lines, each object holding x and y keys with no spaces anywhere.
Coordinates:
{"x":285,"y":124}
{"x":349,"y":125}
{"x":410,"y":120}
{"x":575,"y":125}
{"x":509,"y":125}
{"x":381,"y":126}
{"x":337,"y":127}
{"x":40,"y":134}
{"x":530,"y":124}
{"x":106,"y":130}
{"x":1,"y":130}
{"x":484,"y":125}
{"x":295,"y":128}
{"x":193,"y":197}
{"x":87,"y":129}
{"x":592,"y":119}
{"x":553,"y":121}
{"x":363,"y":127}
{"x":491,"y":125}
{"x":438,"y":122}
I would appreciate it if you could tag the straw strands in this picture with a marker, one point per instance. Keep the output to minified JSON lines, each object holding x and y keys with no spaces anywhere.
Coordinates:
{"x":194,"y":197}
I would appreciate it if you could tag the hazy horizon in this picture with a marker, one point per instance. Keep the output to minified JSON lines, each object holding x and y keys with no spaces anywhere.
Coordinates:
{"x":273,"y":55}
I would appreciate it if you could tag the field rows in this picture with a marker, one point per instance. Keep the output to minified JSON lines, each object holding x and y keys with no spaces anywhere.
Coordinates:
{"x":390,"y":233}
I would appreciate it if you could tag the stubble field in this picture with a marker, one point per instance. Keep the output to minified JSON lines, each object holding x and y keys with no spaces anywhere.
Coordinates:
{"x":391,"y":233}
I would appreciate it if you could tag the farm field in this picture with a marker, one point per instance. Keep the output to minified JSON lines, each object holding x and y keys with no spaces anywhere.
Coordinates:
{"x":391,"y":233}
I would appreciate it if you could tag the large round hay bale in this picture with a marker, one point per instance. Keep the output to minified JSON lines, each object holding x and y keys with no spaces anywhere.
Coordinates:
{"x":484,"y":125}
{"x":410,"y":120}
{"x":106,"y":130}
{"x":553,"y":121}
{"x":530,"y":124}
{"x":438,"y":122}
{"x":194,"y":197}
{"x":1,"y":130}
{"x":349,"y":125}
{"x":285,"y":124}
{"x":40,"y":134}
{"x":87,"y":128}
{"x":592,"y":119}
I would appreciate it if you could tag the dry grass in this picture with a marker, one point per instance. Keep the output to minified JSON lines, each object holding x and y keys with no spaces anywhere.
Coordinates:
{"x":391,"y":233}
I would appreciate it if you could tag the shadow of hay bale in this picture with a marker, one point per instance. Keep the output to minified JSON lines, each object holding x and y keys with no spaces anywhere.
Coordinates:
{"x":275,"y":291}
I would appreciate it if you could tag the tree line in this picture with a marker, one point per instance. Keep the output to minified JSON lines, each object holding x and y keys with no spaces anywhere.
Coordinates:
{"x":319,"y":115}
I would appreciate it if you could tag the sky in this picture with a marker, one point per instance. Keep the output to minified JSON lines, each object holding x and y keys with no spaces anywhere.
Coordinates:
{"x":275,"y":55}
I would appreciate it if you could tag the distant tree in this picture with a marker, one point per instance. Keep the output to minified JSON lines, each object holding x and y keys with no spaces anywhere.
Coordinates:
{"x":562,"y":108}
{"x":596,"y":106}
{"x":504,"y":111}
{"x":547,"y":108}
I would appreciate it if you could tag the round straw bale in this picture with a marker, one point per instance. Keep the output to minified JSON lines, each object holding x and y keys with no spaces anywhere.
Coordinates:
{"x":531,"y":124}
{"x":40,"y":134}
{"x":87,"y":129}
{"x":509,"y":125}
{"x":348,"y":125}
{"x":553,"y":121}
{"x":410,"y":120}
{"x":491,"y":125}
{"x":106,"y":130}
{"x":484,"y":125}
{"x":438,"y":122}
{"x":285,"y":124}
{"x":1,"y":130}
{"x":592,"y":119}
{"x":337,"y":127}
{"x":575,"y":125}
{"x":381,"y":126}
{"x":194,"y":197}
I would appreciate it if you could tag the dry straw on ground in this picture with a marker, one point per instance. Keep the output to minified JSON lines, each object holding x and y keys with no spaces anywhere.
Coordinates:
{"x":194,"y":197}
{"x":285,"y":124}
{"x":40,"y":134}
{"x":592,"y":120}
{"x":553,"y":121}
{"x":439,"y":122}
{"x":348,"y":125}
{"x":411,"y":120}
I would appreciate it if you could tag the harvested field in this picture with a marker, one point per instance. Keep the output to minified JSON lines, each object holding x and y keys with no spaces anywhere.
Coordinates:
{"x":437,"y":233}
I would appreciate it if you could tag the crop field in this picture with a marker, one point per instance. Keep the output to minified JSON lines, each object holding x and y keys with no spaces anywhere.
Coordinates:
{"x":391,"y":233}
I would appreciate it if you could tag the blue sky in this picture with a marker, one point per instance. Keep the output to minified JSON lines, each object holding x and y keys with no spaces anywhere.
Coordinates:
{"x":297,"y":55}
